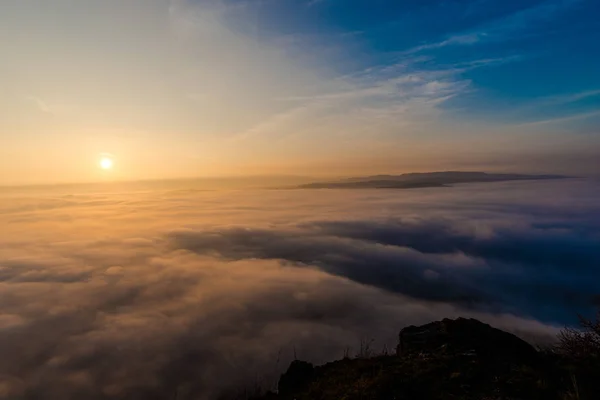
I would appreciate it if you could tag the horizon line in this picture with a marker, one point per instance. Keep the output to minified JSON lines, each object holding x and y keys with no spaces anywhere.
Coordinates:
{"x":266,"y":176}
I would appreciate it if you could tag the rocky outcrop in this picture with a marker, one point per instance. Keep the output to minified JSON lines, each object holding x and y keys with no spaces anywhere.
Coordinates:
{"x":445,"y":360}
{"x":467,"y":337}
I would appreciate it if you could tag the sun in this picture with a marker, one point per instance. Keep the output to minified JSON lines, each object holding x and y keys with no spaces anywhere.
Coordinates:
{"x":106,"y":163}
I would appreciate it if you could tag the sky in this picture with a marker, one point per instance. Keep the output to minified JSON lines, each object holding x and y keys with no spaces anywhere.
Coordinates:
{"x":112,"y":293}
{"x":190,"y":88}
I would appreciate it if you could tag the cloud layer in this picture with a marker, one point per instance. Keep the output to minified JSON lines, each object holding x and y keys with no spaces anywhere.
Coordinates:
{"x":109,"y":292}
{"x":542,"y":271}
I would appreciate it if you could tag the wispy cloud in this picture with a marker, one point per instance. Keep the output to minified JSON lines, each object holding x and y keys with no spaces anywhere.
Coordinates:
{"x":568,"y":98}
{"x":502,"y":28}
{"x":461,"y":39}
{"x":375,"y":100}
{"x":549,"y":106}
{"x":558,"y":120}
{"x":47,"y":107}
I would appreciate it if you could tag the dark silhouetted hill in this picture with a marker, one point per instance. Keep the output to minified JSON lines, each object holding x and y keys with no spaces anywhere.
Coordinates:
{"x":422,"y":180}
{"x":447,"y":360}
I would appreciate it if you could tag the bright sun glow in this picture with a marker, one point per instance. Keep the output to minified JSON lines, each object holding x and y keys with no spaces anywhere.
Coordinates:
{"x":106,"y":163}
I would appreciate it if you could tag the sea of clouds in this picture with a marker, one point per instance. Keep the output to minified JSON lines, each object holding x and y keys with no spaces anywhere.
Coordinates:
{"x":155,"y":292}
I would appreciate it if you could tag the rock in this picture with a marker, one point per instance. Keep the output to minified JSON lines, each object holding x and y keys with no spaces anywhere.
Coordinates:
{"x":295,"y":378}
{"x":444,"y":360}
{"x":467,"y":337}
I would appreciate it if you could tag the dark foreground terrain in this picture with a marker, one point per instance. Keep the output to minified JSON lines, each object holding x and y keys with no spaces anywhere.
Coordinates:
{"x":423,"y":180}
{"x":450,"y":359}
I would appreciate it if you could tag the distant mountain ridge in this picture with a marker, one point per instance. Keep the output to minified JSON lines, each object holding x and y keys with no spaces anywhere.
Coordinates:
{"x":423,"y":180}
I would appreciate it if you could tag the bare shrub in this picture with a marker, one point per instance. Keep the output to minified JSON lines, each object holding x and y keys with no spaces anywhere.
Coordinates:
{"x":582,"y":343}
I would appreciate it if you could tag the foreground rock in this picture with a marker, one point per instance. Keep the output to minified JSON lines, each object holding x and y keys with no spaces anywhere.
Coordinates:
{"x":465,"y":337}
{"x":446,"y":360}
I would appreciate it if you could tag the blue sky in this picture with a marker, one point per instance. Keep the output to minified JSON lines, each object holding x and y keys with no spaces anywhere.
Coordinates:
{"x":525,"y":60}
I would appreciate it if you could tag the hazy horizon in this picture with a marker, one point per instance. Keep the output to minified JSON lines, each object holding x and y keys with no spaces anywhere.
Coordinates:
{"x":274,"y":181}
